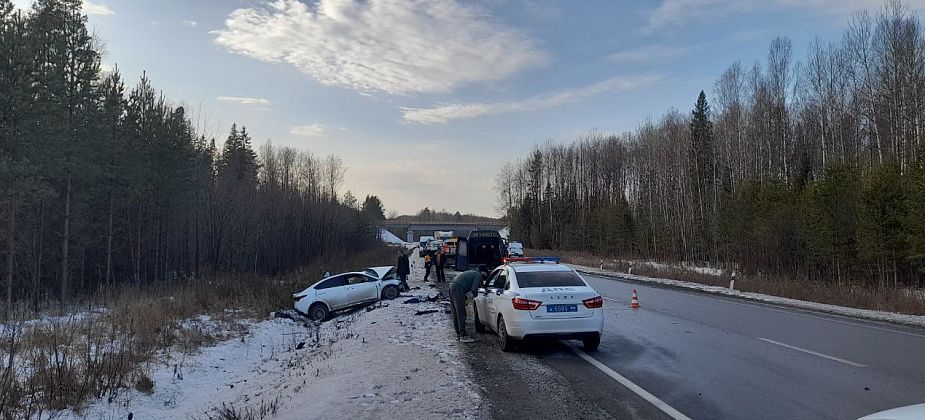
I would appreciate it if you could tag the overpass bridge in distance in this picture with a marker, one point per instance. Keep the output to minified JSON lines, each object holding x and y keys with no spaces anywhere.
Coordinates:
{"x":427,"y":228}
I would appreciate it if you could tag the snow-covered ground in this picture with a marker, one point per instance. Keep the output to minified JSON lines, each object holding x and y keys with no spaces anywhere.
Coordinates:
{"x":389,"y":237}
{"x":914,"y":320}
{"x":383,"y":363}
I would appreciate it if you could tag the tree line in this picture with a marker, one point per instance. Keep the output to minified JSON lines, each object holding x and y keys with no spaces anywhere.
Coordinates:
{"x":809,"y":167}
{"x":105,"y":185}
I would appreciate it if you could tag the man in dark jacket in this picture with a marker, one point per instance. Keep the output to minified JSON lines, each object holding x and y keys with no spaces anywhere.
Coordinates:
{"x":439,"y":262}
{"x":466,"y":284}
{"x":403,"y":270}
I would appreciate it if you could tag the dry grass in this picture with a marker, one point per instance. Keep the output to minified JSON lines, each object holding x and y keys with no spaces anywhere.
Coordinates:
{"x":56,"y":363}
{"x":901,"y":301}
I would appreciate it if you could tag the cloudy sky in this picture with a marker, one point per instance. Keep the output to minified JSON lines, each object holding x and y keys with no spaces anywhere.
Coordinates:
{"x":424,"y":99}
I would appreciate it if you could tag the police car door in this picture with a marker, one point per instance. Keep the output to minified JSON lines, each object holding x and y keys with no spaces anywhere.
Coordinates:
{"x":496,"y":286}
{"x":484,"y":299}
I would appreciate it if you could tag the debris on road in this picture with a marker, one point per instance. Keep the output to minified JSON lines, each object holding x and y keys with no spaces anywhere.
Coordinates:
{"x":425,"y":312}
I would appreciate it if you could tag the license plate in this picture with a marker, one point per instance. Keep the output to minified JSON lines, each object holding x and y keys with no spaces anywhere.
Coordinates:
{"x":562,"y":308}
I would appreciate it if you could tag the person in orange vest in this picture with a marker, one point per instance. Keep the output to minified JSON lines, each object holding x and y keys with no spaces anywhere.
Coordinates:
{"x":427,"y":264}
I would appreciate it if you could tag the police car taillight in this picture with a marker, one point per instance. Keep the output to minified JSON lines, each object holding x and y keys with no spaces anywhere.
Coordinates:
{"x":593,"y":303}
{"x":525,"y":304}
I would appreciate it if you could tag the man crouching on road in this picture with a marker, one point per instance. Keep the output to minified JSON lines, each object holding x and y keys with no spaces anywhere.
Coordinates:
{"x":464,"y":285}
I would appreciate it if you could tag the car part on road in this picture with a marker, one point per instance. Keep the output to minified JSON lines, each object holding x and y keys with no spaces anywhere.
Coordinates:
{"x":427,"y":311}
{"x":412,"y":301}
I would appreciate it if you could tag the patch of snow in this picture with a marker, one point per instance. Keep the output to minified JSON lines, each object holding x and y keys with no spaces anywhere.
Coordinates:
{"x":913,"y":320}
{"x":389,"y":237}
{"x":383,"y":363}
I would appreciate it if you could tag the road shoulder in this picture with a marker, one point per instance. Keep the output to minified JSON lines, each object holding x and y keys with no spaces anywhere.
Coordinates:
{"x":864,"y":314}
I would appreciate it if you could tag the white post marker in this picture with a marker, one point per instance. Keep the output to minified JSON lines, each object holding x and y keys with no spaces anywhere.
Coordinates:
{"x":651,"y":399}
{"x":602,"y":264}
{"x":732,"y":282}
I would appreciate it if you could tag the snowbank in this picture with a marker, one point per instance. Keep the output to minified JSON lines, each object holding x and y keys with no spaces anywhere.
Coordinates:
{"x":913,"y":320}
{"x":383,"y":363}
{"x":389,"y":237}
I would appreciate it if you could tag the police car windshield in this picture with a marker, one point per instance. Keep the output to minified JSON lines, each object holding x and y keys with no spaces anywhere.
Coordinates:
{"x":549,"y":279}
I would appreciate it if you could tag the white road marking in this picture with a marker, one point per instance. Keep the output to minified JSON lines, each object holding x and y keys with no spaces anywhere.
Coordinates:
{"x":825,"y":356}
{"x":652,"y":399}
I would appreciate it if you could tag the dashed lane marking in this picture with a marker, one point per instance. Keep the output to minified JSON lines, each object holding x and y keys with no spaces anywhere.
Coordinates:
{"x":814,"y":353}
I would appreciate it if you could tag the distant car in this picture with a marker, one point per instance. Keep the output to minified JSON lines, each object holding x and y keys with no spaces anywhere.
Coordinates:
{"x":343,"y":291}
{"x":536,"y":298}
{"x":909,"y":412}
{"x":515,"y":249}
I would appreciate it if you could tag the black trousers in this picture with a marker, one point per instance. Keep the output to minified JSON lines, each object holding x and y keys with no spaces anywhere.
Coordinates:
{"x":458,"y":309}
{"x":426,"y":271}
{"x":441,"y":276}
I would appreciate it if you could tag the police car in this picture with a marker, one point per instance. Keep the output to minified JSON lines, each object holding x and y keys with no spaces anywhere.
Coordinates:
{"x":528,"y":298}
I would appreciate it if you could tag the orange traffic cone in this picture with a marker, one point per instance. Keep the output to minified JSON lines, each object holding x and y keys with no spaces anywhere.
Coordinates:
{"x":635,"y":302}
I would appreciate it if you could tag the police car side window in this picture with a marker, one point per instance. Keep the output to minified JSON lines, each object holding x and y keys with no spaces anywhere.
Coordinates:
{"x":500,"y":281}
{"x":490,"y":281}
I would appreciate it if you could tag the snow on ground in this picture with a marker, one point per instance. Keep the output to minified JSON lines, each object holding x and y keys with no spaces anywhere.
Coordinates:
{"x":383,"y":363}
{"x":914,"y":320}
{"x":389,"y":237}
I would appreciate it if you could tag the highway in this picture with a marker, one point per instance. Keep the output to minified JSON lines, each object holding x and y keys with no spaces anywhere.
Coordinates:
{"x":716,"y":357}
{"x":710,"y":357}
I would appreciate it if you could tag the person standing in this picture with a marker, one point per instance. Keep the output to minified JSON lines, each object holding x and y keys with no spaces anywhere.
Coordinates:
{"x":403,"y":270}
{"x":439,"y":262}
{"x":427,"y":264}
{"x":465,"y":285}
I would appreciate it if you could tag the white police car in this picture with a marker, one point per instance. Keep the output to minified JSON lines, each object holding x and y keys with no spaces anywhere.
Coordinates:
{"x":530,"y":298}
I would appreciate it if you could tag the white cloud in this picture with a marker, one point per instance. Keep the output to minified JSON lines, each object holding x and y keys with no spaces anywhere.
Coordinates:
{"x":243,"y":100}
{"x":190,"y":23}
{"x":393,"y":46}
{"x":648,"y":54}
{"x":91,"y":8}
{"x":450,"y":112}
{"x":313,"y":130}
{"x":674,"y":12}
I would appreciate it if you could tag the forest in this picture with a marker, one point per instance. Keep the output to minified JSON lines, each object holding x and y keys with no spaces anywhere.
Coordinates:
{"x":105,"y":185}
{"x":808,"y":167}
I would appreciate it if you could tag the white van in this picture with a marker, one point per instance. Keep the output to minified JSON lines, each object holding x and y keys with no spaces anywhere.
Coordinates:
{"x":515,"y":249}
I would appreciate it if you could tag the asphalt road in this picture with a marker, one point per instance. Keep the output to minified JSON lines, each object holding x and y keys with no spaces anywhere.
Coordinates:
{"x":712,"y":357}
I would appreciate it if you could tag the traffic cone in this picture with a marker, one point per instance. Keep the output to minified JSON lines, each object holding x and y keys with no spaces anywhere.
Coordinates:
{"x":635,"y":302}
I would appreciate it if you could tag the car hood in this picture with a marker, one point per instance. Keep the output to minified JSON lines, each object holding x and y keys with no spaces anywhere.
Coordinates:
{"x":382,"y":271}
{"x":909,"y":412}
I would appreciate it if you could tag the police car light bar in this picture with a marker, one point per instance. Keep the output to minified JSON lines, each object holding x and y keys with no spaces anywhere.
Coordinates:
{"x":531,"y":260}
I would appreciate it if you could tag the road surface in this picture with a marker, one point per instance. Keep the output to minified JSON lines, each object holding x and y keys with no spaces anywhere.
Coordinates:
{"x":712,"y":357}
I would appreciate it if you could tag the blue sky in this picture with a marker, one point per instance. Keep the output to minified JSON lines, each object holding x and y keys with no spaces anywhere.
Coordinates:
{"x":423,"y":100}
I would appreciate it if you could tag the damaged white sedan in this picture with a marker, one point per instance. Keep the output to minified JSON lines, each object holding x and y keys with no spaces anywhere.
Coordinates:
{"x":347,"y":290}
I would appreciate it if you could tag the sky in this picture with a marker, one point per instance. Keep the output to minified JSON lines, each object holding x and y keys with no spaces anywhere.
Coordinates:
{"x":423,"y":100}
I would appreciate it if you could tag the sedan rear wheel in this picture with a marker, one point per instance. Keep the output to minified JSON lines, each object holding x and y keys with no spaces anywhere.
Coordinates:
{"x":591,"y":343}
{"x":389,"y":292}
{"x":318,"y":312}
{"x":507,"y":343}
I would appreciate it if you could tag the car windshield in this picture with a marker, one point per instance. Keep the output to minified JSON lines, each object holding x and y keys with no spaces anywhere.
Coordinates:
{"x":371,"y":272}
{"x":548,"y":279}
